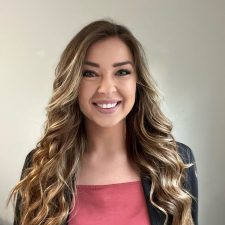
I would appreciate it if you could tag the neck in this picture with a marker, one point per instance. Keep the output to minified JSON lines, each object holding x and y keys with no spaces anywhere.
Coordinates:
{"x":106,"y":141}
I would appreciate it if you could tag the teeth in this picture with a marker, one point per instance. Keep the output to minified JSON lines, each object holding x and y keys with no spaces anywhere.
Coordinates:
{"x":107,"y":106}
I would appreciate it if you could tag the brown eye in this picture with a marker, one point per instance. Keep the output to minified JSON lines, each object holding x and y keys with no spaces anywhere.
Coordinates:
{"x":123,"y":72}
{"x":88,"y":73}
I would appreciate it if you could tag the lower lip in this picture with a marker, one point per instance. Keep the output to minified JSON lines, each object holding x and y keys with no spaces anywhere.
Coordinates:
{"x":107,"y":111}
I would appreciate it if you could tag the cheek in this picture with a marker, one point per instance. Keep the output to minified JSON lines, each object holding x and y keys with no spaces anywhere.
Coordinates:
{"x":129,"y":88}
{"x":85,"y":91}
{"x":83,"y":97}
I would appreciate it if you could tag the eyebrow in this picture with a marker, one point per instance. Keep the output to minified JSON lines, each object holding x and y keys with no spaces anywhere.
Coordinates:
{"x":114,"y":65}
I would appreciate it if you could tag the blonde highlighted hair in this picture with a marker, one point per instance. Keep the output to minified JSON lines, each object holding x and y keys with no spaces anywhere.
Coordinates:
{"x":51,"y":173}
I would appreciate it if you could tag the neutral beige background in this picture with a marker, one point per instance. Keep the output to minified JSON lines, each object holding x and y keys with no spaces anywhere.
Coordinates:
{"x":184,"y":41}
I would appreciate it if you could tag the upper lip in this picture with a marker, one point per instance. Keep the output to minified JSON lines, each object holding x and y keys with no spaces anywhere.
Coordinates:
{"x":106,"y":101}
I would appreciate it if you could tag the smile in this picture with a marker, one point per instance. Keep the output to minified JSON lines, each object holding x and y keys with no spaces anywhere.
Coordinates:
{"x":107,"y":108}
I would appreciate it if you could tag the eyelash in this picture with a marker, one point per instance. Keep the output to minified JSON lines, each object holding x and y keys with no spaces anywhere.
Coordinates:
{"x":92,"y":72}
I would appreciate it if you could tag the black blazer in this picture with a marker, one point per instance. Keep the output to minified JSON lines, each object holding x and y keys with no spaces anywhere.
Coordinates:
{"x":155,"y":215}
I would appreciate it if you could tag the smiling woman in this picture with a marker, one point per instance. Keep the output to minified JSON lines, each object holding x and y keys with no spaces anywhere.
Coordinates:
{"x":107,"y":155}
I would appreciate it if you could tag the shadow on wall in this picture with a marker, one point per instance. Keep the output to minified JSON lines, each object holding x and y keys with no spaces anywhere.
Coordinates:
{"x":3,"y":222}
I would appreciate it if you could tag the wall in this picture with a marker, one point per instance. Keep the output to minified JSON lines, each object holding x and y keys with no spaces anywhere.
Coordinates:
{"x":184,"y":42}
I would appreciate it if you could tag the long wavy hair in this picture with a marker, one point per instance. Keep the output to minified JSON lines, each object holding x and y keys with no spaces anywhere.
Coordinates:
{"x":55,"y":162}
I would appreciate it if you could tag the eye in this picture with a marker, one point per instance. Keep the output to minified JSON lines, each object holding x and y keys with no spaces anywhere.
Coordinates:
{"x":123,"y":72}
{"x":88,"y":73}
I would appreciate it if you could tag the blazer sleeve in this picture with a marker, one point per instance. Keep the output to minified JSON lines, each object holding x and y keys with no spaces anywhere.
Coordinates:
{"x":27,"y":164}
{"x":191,"y":181}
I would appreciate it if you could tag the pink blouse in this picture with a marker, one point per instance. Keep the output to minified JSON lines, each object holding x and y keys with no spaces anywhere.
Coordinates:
{"x":111,"y":204}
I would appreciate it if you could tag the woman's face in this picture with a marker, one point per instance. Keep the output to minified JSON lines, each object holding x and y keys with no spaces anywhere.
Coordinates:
{"x":108,"y":86}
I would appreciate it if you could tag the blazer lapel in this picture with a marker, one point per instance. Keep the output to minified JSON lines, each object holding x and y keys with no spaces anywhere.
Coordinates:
{"x":156,"y":216}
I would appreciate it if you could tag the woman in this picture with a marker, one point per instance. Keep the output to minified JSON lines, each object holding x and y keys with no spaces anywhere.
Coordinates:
{"x":107,"y":155}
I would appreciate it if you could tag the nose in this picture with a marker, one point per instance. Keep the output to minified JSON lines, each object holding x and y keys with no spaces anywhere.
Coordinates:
{"x":107,"y":85}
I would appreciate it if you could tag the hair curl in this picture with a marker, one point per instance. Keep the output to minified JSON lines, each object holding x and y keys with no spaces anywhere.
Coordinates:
{"x":56,"y":160}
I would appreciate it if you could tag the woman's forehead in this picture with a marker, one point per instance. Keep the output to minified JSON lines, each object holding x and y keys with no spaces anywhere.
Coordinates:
{"x":111,"y":49}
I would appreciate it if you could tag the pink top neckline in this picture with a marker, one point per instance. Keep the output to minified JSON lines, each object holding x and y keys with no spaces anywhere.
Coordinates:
{"x":117,"y":203}
{"x":100,"y":186}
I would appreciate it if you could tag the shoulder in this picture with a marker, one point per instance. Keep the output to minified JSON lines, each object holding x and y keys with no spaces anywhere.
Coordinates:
{"x":29,"y":156}
{"x":185,"y":153}
{"x":28,"y":162}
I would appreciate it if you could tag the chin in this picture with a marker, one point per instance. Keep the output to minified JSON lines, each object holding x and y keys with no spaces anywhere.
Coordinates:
{"x":108,"y":123}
